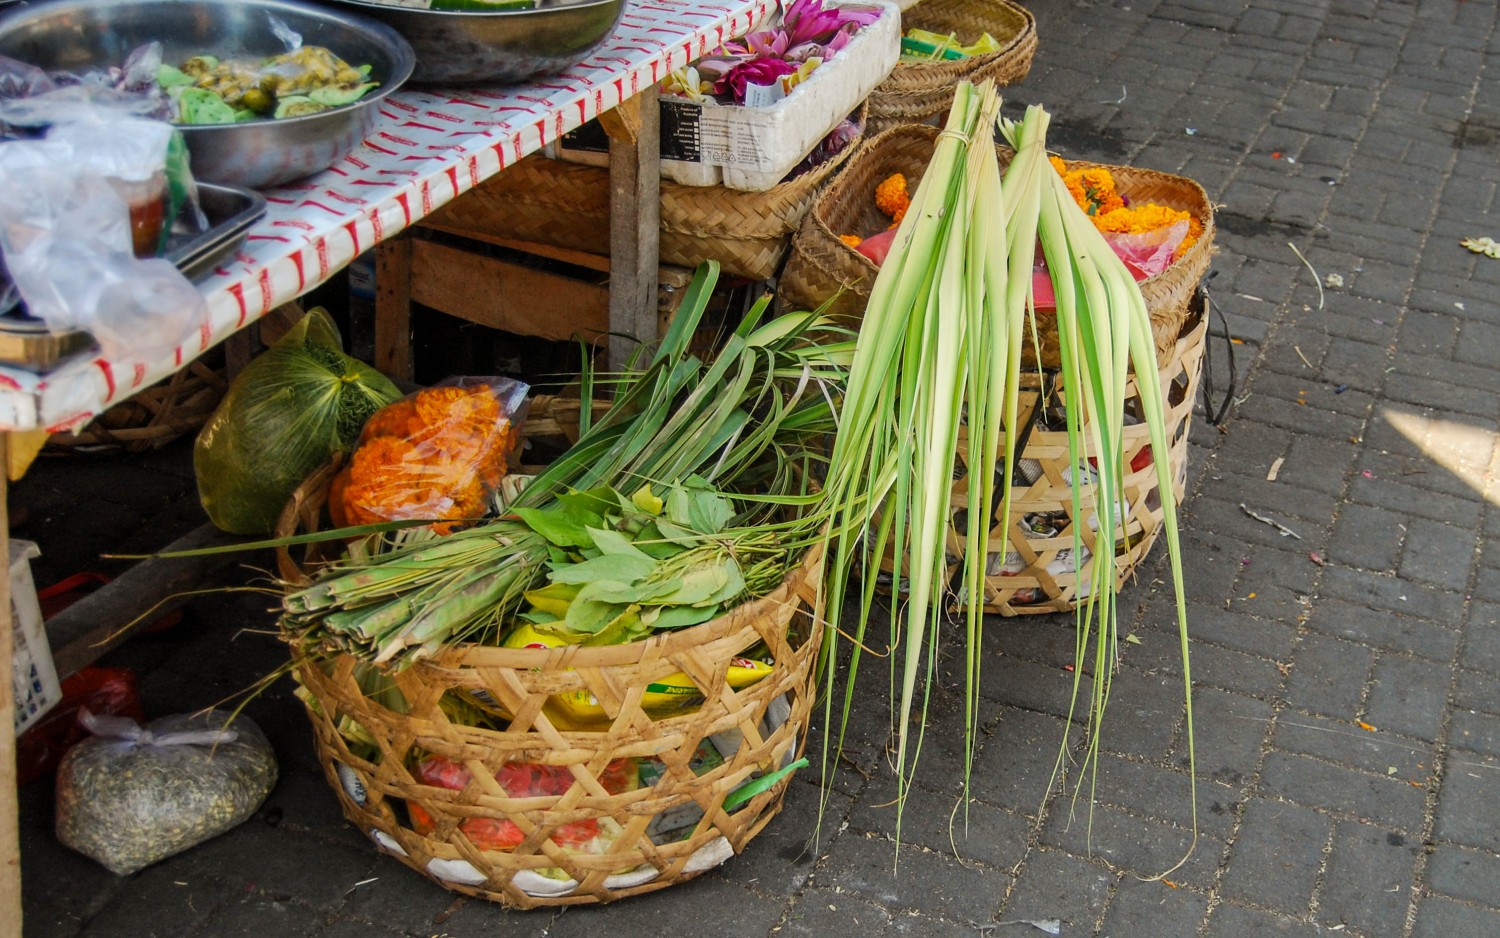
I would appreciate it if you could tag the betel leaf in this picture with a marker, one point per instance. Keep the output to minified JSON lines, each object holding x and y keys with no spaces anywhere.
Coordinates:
{"x":708,"y":512}
{"x":597,"y":501}
{"x":645,"y":590}
{"x":553,"y":598}
{"x":679,"y":617}
{"x":678,"y":533}
{"x":647,"y":501}
{"x":734,"y":584}
{"x":625,"y":627}
{"x":565,"y":527}
{"x":610,"y":541}
{"x":591,"y":616}
{"x":652,"y":542}
{"x":700,"y":583}
{"x":614,"y":567}
{"x":679,"y":507}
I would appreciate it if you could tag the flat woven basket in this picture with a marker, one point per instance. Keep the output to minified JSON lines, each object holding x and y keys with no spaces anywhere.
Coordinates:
{"x":660,"y":834}
{"x":821,"y":268}
{"x":567,"y":205}
{"x":917,"y":92}
{"x":156,"y":416}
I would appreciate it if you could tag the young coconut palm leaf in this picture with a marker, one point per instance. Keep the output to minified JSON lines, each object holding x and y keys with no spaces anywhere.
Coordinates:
{"x":940,"y":344}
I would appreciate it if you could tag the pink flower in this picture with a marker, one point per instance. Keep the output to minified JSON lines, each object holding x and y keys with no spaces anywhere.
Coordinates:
{"x":754,"y":72}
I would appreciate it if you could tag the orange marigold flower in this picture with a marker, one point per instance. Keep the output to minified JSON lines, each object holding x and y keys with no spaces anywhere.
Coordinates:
{"x":1094,"y":190}
{"x":891,"y":195}
{"x":1058,"y":164}
{"x":852,"y":240}
{"x":390,"y":420}
{"x":1140,"y":218}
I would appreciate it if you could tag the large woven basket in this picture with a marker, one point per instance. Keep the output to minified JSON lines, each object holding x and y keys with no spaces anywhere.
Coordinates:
{"x":567,"y":205}
{"x":822,"y":268}
{"x":156,"y":416}
{"x":661,"y":834}
{"x":917,"y":92}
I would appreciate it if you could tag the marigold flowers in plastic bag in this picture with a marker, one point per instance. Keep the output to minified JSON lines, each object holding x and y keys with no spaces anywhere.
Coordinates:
{"x":435,"y":455}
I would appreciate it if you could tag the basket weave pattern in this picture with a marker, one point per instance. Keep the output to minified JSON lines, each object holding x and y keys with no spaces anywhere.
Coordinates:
{"x":915,"y":92}
{"x":822,"y":268}
{"x":769,"y":718}
{"x":567,"y":205}
{"x":1049,"y":581}
{"x":153,"y":418}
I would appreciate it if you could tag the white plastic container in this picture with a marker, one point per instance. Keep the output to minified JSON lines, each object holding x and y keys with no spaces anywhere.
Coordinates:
{"x":753,"y":148}
{"x":33,"y":677}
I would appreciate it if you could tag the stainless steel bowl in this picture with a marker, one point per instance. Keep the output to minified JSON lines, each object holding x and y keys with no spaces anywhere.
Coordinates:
{"x":78,"y":35}
{"x":500,"y":47}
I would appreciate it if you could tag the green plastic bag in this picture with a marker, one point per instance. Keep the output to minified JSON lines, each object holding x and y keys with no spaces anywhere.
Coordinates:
{"x":286,"y":414}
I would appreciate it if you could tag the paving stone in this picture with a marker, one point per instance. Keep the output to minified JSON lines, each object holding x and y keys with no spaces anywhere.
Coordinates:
{"x":1403,"y":634}
{"x":1053,"y":885}
{"x":157,"y":908}
{"x":1477,"y":690}
{"x":1408,"y":696}
{"x":1275,"y":860}
{"x":1368,"y":538}
{"x":1438,"y":553}
{"x":1482,"y":637}
{"x":942,"y":825}
{"x":1230,"y":754}
{"x":1153,"y":908}
{"x":1014,"y":768}
{"x":1144,"y":713}
{"x":821,"y":912}
{"x":783,"y":855}
{"x":1328,"y":676}
{"x":1311,"y":782}
{"x":1469,"y":802}
{"x":925,"y":882}
{"x":914,"y":925}
{"x":1369,"y":878}
{"x":1464,"y":874}
{"x":1232,"y":921}
{"x":1376,"y":750}
{"x":1390,"y":593}
{"x":1438,"y":917}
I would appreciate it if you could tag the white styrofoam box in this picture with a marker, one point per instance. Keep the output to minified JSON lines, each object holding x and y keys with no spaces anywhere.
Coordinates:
{"x":753,"y":148}
{"x":33,"y":678}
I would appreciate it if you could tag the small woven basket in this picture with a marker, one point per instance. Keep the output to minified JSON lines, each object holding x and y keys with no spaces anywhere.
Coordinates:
{"x":567,"y":205}
{"x":658,"y":834}
{"x":918,"y":92}
{"x":1030,"y":567}
{"x":822,"y":268}
{"x":151,"y":419}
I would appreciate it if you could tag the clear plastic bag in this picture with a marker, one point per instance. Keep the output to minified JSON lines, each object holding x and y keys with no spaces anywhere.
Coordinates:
{"x":286,"y":414}
{"x":133,"y":795}
{"x":76,"y":210}
{"x":438,"y":454}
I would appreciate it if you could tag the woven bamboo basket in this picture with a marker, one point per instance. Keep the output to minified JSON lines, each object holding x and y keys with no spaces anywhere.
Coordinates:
{"x":567,"y":205}
{"x":918,"y":92}
{"x":645,"y":837}
{"x":1030,"y":566}
{"x":156,"y":416}
{"x":822,"y":268}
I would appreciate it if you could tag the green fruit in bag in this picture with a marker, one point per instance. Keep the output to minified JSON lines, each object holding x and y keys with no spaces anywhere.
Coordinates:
{"x":286,"y":414}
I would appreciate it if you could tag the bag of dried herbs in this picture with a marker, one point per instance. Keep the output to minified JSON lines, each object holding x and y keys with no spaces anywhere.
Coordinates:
{"x":287,"y":413}
{"x":131,"y":795}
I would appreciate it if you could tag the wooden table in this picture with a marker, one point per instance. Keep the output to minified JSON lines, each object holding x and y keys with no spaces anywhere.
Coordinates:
{"x":428,"y":148}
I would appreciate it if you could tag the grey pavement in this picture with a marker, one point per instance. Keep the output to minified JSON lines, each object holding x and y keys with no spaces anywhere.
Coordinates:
{"x":1347,"y":681}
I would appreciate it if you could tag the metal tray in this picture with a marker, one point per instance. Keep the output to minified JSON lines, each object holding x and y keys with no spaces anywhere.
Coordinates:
{"x":27,"y":343}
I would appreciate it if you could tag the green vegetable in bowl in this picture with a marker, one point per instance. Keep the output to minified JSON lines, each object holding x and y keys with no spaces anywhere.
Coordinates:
{"x":208,"y":90}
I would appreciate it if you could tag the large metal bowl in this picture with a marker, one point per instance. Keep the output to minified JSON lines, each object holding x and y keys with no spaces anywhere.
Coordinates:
{"x":77,"y":35}
{"x":500,"y":47}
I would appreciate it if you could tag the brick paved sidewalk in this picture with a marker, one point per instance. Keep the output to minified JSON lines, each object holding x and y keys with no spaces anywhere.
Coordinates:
{"x":1347,"y":681}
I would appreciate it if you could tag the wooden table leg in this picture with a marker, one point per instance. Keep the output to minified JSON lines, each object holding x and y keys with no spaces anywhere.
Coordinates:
{"x":10,"y":832}
{"x":635,"y":222}
{"x":393,"y":308}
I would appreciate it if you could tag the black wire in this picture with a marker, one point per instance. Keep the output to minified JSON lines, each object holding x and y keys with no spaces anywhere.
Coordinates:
{"x":1215,"y":417}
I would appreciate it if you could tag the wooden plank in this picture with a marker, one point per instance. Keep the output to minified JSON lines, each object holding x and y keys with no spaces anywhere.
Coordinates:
{"x":635,"y":223}
{"x":596,"y":262}
{"x":393,"y":308}
{"x":93,"y":625}
{"x":507,"y":296}
{"x":10,"y":828}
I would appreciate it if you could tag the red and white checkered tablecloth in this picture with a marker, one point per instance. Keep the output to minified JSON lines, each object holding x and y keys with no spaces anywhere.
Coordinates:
{"x":427,"y":148}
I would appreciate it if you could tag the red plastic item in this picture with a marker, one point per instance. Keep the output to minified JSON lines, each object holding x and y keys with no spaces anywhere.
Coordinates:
{"x":109,"y":691}
{"x":877,"y":246}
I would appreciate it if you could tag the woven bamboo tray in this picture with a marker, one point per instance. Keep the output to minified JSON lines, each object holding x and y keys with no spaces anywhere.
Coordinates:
{"x":919,"y":92}
{"x":567,"y":205}
{"x":763,"y":726}
{"x":154,"y":417}
{"x":821,"y":268}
